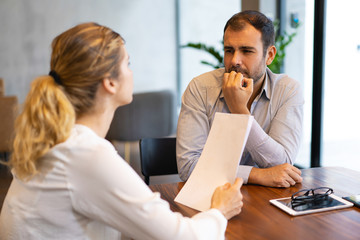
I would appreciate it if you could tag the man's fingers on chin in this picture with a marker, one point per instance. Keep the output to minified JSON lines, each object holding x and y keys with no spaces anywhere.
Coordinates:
{"x":232,"y":74}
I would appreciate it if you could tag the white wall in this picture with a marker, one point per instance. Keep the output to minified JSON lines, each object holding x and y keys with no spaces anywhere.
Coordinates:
{"x":28,"y":27}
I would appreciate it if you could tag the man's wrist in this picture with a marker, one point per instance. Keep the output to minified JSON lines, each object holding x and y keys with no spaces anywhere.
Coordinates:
{"x":255,"y":176}
{"x":241,"y":110}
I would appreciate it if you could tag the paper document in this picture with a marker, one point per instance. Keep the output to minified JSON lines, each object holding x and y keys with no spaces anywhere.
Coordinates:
{"x":219,"y":160}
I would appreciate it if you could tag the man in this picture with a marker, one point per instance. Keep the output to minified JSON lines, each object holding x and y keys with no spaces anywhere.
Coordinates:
{"x":246,"y":86}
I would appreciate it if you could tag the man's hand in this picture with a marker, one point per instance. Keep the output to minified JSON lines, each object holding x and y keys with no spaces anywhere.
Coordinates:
{"x":237,"y":91}
{"x":284,"y":175}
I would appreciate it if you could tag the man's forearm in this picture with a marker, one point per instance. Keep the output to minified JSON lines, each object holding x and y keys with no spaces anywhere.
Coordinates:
{"x":267,"y":152}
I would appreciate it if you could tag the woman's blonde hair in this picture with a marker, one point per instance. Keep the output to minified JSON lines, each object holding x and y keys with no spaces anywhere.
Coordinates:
{"x":81,"y":57}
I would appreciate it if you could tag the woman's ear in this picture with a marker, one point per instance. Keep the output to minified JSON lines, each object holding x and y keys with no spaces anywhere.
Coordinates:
{"x":109,"y":85}
{"x":270,"y":55}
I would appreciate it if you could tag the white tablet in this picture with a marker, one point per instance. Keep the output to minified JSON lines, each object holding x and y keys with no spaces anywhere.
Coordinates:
{"x":333,"y":202}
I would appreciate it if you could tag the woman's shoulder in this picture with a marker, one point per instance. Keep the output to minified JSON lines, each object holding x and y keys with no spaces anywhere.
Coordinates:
{"x":82,"y":137}
{"x":84,"y":147}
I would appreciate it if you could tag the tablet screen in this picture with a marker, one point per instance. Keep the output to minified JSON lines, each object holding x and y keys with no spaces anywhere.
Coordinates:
{"x":330,"y":203}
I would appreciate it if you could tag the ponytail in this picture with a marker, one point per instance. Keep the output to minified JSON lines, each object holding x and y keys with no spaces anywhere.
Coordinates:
{"x":46,"y":120}
{"x":81,"y":57}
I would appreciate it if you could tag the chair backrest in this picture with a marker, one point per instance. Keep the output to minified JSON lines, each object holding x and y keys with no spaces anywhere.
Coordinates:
{"x":158,"y":157}
{"x":150,"y":115}
{"x":8,"y":113}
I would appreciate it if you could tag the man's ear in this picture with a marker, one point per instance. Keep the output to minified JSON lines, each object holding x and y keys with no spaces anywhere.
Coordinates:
{"x":109,"y":85}
{"x":270,"y":55}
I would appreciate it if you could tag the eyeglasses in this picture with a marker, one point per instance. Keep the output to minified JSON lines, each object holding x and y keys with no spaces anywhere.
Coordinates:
{"x":309,"y":196}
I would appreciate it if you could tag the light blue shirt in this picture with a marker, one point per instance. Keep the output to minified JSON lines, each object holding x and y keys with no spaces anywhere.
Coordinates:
{"x":275,"y":134}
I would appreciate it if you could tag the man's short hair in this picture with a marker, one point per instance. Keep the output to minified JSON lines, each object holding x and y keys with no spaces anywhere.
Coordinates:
{"x":259,"y":21}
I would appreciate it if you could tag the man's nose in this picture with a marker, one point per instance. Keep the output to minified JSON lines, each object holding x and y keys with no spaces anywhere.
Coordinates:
{"x":236,"y":59}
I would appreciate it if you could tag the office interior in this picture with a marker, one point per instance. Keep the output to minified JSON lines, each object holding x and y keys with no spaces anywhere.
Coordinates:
{"x":154,"y":32}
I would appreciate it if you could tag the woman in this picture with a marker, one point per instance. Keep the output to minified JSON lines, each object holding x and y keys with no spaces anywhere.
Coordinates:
{"x":69,"y":182}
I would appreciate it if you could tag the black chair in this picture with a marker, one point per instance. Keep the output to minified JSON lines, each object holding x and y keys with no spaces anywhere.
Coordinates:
{"x":157,"y":157}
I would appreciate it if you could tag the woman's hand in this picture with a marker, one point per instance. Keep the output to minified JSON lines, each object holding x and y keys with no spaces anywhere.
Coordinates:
{"x":228,"y":199}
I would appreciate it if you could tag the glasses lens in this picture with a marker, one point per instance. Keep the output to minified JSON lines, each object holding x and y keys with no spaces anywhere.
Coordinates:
{"x":308,"y":195}
{"x":308,"y":198}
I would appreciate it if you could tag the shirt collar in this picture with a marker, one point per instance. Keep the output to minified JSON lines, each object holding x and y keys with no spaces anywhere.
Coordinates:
{"x":266,"y":85}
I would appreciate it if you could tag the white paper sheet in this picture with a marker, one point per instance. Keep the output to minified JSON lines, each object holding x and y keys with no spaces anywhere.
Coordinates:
{"x":219,"y":160}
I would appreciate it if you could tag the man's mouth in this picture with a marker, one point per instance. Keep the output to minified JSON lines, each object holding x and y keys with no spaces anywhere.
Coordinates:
{"x":238,"y":70}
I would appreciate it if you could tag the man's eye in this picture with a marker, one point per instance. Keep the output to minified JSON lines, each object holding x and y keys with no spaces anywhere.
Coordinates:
{"x":228,"y":50}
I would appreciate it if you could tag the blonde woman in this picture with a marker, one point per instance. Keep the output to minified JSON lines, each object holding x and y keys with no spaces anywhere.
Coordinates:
{"x":69,"y":182}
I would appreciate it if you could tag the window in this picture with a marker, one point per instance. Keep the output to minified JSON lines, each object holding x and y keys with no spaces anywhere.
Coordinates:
{"x":341,"y":129}
{"x":298,"y":63}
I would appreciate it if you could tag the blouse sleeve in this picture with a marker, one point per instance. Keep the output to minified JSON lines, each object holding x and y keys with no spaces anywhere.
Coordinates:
{"x":105,"y":188}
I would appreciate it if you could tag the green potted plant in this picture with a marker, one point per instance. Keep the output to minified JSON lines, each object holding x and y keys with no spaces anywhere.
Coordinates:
{"x":281,"y":42}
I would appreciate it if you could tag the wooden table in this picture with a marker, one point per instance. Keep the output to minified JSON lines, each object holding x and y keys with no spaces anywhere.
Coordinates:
{"x":261,"y":220}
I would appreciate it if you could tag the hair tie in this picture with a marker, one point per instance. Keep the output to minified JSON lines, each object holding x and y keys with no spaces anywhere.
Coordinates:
{"x":55,"y":76}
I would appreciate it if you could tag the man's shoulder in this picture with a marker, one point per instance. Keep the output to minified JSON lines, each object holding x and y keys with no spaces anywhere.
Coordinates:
{"x":283,"y":87}
{"x":282,"y":80}
{"x":210,"y":79}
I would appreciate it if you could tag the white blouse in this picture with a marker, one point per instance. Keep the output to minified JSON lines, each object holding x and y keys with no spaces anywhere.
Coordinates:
{"x":87,"y":191}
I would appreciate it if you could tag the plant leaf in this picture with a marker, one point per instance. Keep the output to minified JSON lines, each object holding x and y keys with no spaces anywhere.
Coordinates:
{"x":209,"y":49}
